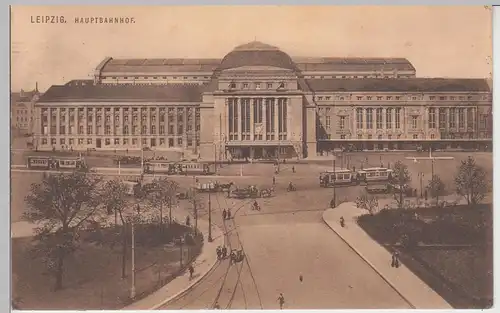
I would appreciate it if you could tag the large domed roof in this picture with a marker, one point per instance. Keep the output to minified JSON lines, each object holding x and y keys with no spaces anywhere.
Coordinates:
{"x":256,"y":53}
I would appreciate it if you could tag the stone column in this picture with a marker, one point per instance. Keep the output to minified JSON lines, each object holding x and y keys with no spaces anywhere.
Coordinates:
{"x":252,"y":118}
{"x":184,"y":139}
{"x":264,"y":118}
{"x":276,"y":118}
{"x":94,"y":122}
{"x":58,"y":121}
{"x":238,"y":125}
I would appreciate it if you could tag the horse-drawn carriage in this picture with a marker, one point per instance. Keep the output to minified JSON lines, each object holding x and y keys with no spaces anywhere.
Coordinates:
{"x":213,"y":187}
{"x":251,"y":192}
{"x":237,"y":256}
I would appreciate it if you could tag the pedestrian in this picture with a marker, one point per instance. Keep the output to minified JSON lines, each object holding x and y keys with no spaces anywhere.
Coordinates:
{"x":425,"y":194}
{"x":229,"y":214}
{"x":293,"y":169}
{"x":191,"y":271}
{"x":395,"y":259}
{"x":224,"y":252}
{"x":342,"y":222}
{"x":188,"y":221}
{"x":281,"y":300}
{"x":219,"y":252}
{"x":224,"y":214}
{"x":274,"y":180}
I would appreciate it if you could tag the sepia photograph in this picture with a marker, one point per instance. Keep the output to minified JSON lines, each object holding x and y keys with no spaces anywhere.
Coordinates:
{"x":251,"y":157}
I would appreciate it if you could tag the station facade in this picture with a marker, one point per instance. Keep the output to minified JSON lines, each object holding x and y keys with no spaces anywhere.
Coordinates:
{"x":258,"y":102}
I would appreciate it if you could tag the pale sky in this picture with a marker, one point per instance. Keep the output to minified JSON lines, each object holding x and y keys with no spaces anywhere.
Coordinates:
{"x":440,"y":41}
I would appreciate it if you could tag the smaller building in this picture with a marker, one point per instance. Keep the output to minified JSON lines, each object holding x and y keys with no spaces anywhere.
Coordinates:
{"x":22,"y":111}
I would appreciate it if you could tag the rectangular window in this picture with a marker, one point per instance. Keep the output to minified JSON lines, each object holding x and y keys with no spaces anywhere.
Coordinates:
{"x":432,"y":118}
{"x":359,"y":118}
{"x":369,"y":118}
{"x":442,"y":118}
{"x":461,"y":117}
{"x":414,"y":122}
{"x":162,"y":130}
{"x":378,"y":118}
{"x":452,"y":118}
{"x":327,"y":122}
{"x":245,"y":119}
{"x":470,"y":118}
{"x":388,"y":118}
{"x":342,"y":122}
{"x":397,"y":118}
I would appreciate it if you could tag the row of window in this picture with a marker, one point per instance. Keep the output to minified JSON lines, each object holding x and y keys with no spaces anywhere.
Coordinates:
{"x":280,"y":85}
{"x":389,"y":98}
{"x":135,"y":119}
{"x":414,"y":136}
{"x":159,"y":77}
{"x":118,"y":141}
{"x":116,"y":110}
{"x":126,"y":130}
{"x":448,"y":118}
{"x":356,"y":76}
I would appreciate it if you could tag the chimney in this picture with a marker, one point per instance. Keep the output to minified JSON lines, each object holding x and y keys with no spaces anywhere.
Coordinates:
{"x":36,"y":87}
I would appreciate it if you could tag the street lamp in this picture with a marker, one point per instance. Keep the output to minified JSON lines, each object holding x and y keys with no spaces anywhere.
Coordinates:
{"x":209,"y":218}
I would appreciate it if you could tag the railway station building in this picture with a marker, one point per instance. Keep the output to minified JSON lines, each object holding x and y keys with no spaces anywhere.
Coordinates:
{"x":259,"y":102}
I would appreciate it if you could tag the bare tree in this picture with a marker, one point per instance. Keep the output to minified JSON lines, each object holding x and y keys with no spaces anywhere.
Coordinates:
{"x":436,"y":187}
{"x":195,"y":200}
{"x":115,"y":199}
{"x":61,"y":204}
{"x":400,"y":179}
{"x":160,"y":193}
{"x":471,"y":181}
{"x":367,"y":202}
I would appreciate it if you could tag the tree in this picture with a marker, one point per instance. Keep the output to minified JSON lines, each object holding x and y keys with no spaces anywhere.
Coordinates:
{"x":195,"y":200}
{"x":436,"y":187}
{"x":367,"y":202}
{"x":471,"y":181}
{"x":162,"y":192}
{"x":400,"y":179}
{"x":61,"y":204}
{"x":115,"y":195}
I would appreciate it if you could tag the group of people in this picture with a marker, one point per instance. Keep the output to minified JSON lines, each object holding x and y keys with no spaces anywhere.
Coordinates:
{"x":221,"y":252}
{"x":226,"y":214}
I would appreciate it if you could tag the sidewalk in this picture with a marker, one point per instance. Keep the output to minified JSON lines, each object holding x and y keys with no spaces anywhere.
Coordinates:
{"x":407,"y":285}
{"x":203,"y":264}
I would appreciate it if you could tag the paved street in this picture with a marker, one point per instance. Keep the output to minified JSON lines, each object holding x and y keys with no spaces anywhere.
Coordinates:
{"x":286,"y":239}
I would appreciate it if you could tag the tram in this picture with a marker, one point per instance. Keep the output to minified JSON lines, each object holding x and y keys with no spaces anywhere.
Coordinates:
{"x":338,"y":178}
{"x":194,"y":168}
{"x":56,"y":163}
{"x":160,"y":167}
{"x":177,"y":168}
{"x":374,"y":175}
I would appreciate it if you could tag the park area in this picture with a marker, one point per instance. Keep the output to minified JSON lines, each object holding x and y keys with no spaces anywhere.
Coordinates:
{"x":452,"y":251}
{"x":93,"y":273}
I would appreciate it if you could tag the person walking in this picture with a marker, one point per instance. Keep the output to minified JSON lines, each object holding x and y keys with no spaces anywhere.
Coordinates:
{"x":293,"y":169}
{"x":274,"y":180}
{"x":224,"y":214}
{"x":395,"y":259}
{"x":191,"y":271}
{"x":281,"y":300}
{"x":342,"y":222}
{"x":229,"y":214}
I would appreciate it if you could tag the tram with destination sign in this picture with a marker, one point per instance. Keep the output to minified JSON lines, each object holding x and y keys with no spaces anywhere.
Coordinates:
{"x":340,"y":177}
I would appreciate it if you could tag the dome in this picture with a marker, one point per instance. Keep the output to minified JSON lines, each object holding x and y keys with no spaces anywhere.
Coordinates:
{"x":256,"y":53}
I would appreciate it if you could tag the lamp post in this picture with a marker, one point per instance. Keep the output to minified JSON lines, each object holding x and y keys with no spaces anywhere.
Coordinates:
{"x":421,"y":175}
{"x":132,"y":288}
{"x":334,"y":181}
{"x":209,"y":218}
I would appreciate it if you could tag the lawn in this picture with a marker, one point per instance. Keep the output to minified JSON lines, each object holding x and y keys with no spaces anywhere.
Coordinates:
{"x":92,"y":277}
{"x":455,"y":254}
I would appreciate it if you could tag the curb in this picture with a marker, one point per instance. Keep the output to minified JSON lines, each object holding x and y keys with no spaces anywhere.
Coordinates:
{"x":367,"y":261}
{"x":193,"y":284}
